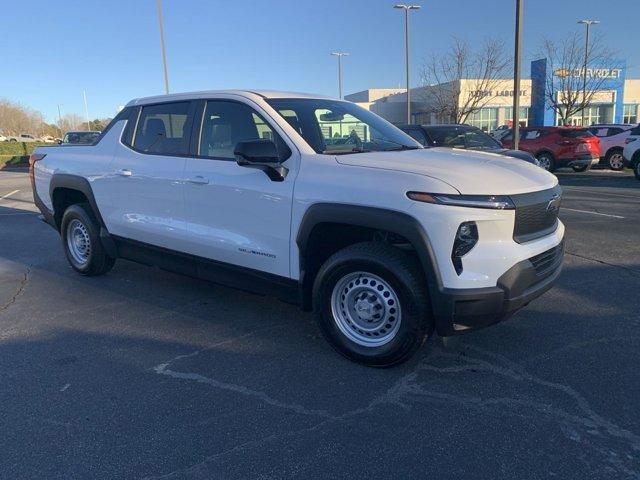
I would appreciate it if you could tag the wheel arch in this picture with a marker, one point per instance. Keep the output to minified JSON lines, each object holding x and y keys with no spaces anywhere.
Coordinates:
{"x":65,"y":190}
{"x":324,"y":221}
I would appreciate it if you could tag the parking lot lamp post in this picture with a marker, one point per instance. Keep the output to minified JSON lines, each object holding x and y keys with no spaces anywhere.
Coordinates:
{"x":164,"y":52}
{"x":60,"y":120}
{"x":406,"y":9}
{"x":588,"y":23}
{"x":515,"y":122}
{"x":339,"y":55}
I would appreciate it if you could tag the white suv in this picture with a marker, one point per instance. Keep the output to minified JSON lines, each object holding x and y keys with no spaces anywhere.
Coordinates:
{"x":316,"y":201}
{"x":631,"y":152}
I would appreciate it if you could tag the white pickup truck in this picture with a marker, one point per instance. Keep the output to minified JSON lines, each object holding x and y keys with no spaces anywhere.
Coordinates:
{"x":314,"y":200}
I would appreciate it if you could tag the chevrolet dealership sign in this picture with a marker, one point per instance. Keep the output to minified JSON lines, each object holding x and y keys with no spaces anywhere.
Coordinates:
{"x":591,"y":72}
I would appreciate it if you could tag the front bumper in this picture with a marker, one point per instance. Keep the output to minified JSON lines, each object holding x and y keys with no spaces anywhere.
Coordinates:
{"x":460,"y":310}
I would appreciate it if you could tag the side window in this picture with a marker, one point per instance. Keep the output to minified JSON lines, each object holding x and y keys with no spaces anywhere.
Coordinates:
{"x":600,"y":132}
{"x":615,"y":131}
{"x":531,"y":135}
{"x":226,"y":123}
{"x":418,"y":135}
{"x":164,"y":129}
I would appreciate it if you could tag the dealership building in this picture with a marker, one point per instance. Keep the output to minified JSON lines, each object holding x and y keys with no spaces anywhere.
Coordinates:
{"x":617,"y":99}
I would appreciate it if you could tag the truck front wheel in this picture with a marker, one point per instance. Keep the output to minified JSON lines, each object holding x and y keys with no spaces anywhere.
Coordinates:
{"x":371,"y":304}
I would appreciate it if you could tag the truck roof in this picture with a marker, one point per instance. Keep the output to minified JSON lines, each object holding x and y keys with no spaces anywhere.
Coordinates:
{"x":209,"y":93}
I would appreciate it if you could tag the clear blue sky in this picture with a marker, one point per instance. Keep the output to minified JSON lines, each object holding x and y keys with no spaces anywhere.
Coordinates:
{"x":52,"y":51}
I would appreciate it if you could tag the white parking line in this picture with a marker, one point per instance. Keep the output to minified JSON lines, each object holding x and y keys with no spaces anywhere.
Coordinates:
{"x":8,"y":194}
{"x":592,"y":213}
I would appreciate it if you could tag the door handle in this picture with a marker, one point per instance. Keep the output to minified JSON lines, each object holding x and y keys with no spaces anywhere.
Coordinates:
{"x":125,"y":172}
{"x":198,"y":180}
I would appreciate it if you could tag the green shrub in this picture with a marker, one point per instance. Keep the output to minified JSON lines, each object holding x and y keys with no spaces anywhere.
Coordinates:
{"x":14,"y":161}
{"x":20,"y":148}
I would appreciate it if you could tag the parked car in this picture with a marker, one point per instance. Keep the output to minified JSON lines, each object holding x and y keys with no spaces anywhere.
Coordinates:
{"x":462,"y":136}
{"x":631,"y":152}
{"x":23,"y":137}
{"x":47,"y":139}
{"x":80,"y":137}
{"x":557,"y":147}
{"x":612,"y":140}
{"x":379,"y":236}
{"x":500,"y":132}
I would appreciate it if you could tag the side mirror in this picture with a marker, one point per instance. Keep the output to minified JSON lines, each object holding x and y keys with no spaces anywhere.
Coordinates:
{"x":263,"y":155}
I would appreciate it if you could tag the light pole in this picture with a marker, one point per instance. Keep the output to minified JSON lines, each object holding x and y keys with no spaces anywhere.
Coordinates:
{"x":60,"y":120}
{"x":164,"y":53}
{"x":406,"y":9}
{"x":588,"y":23}
{"x":339,"y":55}
{"x":86,"y":108}
{"x":515,"y":122}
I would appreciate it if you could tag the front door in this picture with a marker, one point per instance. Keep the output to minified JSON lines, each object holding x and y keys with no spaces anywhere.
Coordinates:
{"x":237,"y":215}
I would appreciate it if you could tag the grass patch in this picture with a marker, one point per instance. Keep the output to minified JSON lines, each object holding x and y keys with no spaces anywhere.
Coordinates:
{"x":20,"y":148}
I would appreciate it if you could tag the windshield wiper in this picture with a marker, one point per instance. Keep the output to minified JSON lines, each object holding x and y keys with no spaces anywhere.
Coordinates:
{"x":400,"y":146}
{"x":345,"y":151}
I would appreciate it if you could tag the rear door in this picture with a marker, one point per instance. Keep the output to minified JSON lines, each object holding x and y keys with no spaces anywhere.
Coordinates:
{"x":146,"y":182}
{"x":237,"y":215}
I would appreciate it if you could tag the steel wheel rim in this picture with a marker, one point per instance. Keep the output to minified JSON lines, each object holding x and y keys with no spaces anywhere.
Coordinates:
{"x":615,"y":161}
{"x":78,"y":242}
{"x":366,"y":309}
{"x":545,"y":162}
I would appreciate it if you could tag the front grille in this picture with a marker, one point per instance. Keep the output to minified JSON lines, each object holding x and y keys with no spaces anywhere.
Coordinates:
{"x":536,"y":214}
{"x":547,"y":261}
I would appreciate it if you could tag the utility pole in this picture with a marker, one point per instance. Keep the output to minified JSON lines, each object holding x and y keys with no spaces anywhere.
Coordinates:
{"x":406,"y":9}
{"x":515,"y":122}
{"x":588,"y":23}
{"x":164,"y":52}
{"x":339,"y":55}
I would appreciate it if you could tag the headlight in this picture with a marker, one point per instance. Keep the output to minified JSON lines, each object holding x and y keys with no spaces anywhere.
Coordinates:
{"x":466,"y":239}
{"x":496,"y":202}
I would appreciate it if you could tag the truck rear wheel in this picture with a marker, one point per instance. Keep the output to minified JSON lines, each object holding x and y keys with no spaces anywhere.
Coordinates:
{"x":81,"y":241}
{"x":372,"y":305}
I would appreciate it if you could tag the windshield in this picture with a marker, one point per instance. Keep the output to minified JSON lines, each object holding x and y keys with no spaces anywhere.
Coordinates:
{"x":337,"y":128}
{"x":462,"y":137}
{"x":81,"y":137}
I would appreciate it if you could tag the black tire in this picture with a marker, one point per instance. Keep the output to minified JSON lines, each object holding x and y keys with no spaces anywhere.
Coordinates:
{"x":636,"y":170}
{"x":396,"y":268}
{"x":614,"y":155}
{"x":547,"y":161}
{"x":581,"y":168}
{"x":97,"y":262}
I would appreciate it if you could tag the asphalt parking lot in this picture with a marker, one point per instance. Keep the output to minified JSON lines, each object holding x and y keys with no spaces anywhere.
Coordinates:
{"x":146,"y":374}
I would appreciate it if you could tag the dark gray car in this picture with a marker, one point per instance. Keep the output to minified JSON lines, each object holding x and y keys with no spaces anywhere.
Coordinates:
{"x":462,"y":136}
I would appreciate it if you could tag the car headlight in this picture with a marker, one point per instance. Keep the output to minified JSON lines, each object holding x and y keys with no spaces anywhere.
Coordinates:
{"x":466,"y":239}
{"x":495,"y":202}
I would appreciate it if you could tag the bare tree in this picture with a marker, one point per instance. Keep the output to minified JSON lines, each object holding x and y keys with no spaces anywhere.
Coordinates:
{"x":16,"y":119}
{"x":461,"y":81}
{"x":564,"y":75}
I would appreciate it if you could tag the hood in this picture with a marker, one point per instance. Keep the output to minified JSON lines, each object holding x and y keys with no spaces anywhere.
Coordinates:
{"x":469,"y":172}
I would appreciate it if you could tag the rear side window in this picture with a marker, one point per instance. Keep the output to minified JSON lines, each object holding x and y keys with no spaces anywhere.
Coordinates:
{"x":575,"y":133}
{"x":164,"y":129}
{"x":635,"y":131}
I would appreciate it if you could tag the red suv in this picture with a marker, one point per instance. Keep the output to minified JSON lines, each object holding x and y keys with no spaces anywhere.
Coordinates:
{"x":556,"y":147}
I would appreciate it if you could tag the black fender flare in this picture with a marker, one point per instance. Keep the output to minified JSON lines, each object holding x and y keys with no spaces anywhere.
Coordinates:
{"x":82,"y":185}
{"x":392,"y":221}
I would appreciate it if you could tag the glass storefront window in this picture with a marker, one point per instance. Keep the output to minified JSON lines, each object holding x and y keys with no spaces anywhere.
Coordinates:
{"x":523,"y":118}
{"x":630,"y":113}
{"x":592,"y":115}
{"x":485,"y":119}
